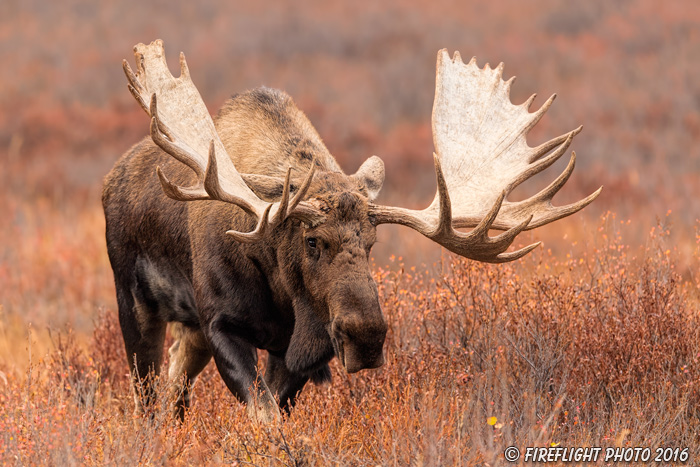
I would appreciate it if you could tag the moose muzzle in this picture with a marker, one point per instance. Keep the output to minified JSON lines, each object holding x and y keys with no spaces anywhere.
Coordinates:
{"x":358,"y":328}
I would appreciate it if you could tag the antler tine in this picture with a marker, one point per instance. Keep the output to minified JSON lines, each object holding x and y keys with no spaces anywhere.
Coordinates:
{"x":255,"y":235}
{"x":212,"y":185}
{"x":546,"y":147}
{"x":539,"y":165}
{"x":513,"y":255}
{"x":158,"y":135}
{"x":159,"y":125}
{"x":179,"y":193}
{"x":558,"y":212}
{"x":295,"y":207}
{"x":284,"y":202}
{"x":482,"y":229}
{"x":184,"y":69}
{"x":444,"y":224}
{"x":303,"y":189}
{"x":134,"y":86}
{"x":507,"y":237}
{"x":541,"y":206}
{"x":304,"y":211}
{"x":554,"y":187}
{"x":481,"y":156}
{"x":164,"y":139}
{"x":536,"y":116}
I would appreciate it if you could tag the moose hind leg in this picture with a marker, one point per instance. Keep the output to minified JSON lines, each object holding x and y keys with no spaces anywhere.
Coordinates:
{"x":144,"y":337}
{"x":189,"y":355}
{"x":158,"y":294}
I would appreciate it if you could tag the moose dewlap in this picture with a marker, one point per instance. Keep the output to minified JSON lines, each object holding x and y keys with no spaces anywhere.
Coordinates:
{"x":272,"y":252}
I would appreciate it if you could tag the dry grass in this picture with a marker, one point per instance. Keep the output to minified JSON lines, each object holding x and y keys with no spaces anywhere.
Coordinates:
{"x":601,"y":349}
{"x":592,"y":340}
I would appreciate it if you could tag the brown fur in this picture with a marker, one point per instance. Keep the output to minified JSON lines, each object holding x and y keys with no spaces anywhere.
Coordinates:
{"x":302,"y":303}
{"x":265,"y":133}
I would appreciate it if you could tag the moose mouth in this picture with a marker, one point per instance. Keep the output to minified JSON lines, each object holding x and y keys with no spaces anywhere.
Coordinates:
{"x":353,"y":359}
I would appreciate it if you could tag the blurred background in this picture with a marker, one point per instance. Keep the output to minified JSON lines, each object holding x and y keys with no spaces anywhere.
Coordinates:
{"x":364,"y":74}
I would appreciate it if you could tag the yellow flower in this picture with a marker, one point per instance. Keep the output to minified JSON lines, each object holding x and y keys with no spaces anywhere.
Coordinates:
{"x":491,"y":421}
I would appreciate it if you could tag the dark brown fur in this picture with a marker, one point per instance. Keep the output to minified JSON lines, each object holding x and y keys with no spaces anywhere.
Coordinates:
{"x":173,"y":262}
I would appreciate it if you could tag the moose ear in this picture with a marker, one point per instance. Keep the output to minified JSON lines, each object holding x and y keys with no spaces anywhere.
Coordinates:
{"x":371,"y":175}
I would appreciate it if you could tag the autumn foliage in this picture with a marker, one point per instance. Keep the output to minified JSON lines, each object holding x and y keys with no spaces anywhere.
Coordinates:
{"x":591,"y":340}
{"x":602,"y":349}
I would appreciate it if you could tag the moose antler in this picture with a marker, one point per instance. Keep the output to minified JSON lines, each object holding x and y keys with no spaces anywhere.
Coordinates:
{"x":481,"y":156}
{"x":182,"y":127}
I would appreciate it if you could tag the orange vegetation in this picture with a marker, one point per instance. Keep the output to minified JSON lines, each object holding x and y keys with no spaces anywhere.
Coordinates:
{"x":591,"y":340}
{"x":602,"y":349}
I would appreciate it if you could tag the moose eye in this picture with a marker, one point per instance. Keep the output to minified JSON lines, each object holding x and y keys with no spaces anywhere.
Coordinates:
{"x":311,"y":242}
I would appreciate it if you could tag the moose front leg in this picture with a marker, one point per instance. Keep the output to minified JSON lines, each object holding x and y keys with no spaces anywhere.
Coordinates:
{"x":287,"y":385}
{"x":236,"y":361}
{"x":283,"y":383}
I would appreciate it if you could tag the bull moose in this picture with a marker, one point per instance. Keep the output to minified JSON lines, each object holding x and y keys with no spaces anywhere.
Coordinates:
{"x":271,"y":251}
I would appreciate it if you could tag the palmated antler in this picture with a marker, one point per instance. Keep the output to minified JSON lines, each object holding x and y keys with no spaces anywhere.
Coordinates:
{"x":481,"y":156}
{"x":182,"y":127}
